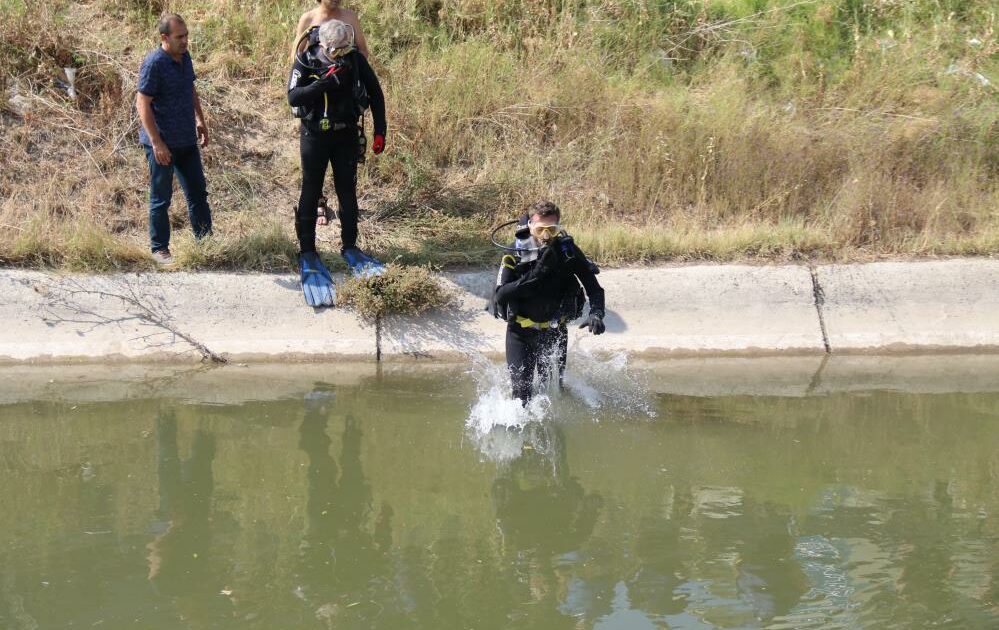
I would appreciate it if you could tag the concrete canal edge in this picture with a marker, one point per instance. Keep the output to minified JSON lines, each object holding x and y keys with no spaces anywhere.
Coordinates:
{"x":702,"y":310}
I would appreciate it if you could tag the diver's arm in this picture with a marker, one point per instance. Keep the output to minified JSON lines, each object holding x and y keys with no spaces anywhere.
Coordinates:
{"x":594,"y":292}
{"x":534,"y":279}
{"x":519,"y":287}
{"x":507,"y":270}
{"x":370,"y":80}
{"x":506,"y":274}
{"x":304,"y":88}
{"x":506,"y":282}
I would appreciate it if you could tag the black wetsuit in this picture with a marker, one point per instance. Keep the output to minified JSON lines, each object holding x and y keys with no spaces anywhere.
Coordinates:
{"x":329,"y":135}
{"x":538,"y":299}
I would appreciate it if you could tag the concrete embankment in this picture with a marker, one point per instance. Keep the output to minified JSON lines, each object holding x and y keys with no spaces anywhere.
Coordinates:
{"x":948,"y":305}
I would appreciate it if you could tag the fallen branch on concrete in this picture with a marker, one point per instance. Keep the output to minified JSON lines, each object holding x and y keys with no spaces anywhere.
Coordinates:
{"x":65,"y":303}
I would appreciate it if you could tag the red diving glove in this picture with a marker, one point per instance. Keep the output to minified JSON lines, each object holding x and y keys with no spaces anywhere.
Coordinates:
{"x":378,"y":144}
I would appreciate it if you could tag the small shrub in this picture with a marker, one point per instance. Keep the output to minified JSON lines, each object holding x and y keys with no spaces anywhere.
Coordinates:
{"x":401,"y":290}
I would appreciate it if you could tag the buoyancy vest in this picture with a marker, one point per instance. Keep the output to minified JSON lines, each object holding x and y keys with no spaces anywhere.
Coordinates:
{"x":559,"y":298}
{"x":348,"y":107}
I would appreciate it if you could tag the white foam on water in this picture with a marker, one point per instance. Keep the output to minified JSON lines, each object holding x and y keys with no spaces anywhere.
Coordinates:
{"x":500,"y":444}
{"x":494,"y":404}
{"x":603,"y":385}
{"x":497,"y":419}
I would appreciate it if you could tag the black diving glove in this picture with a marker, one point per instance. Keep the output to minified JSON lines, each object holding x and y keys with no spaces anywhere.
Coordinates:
{"x":331,"y":80}
{"x":595,"y":322}
{"x":498,"y":310}
{"x":547,"y":262}
{"x":566,"y":245}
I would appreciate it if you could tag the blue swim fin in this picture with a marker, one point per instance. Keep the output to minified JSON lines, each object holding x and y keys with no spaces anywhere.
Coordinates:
{"x":317,"y":284}
{"x":362,"y":265}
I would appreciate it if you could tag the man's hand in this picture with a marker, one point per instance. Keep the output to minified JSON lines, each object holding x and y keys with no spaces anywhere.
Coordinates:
{"x":595,"y":322}
{"x":332,"y":72}
{"x":547,"y":263}
{"x":202,"y":129}
{"x":328,"y":83}
{"x":161,"y":153}
{"x":378,"y":144}
{"x":551,"y":256}
{"x":331,"y":79}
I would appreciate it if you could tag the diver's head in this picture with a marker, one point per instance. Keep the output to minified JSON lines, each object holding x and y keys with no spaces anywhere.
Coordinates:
{"x":173,"y":34}
{"x":543,"y":221}
{"x":336,"y":38}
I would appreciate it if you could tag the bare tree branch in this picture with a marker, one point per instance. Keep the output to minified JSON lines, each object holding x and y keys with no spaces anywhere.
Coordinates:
{"x":69,"y":295}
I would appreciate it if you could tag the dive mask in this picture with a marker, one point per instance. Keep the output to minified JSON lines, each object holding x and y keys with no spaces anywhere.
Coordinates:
{"x":545,"y":233}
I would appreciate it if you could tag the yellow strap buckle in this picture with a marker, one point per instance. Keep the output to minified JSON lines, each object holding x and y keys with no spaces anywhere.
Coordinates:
{"x":530,"y":323}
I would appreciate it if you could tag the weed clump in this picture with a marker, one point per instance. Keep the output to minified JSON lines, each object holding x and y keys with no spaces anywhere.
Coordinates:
{"x":240,"y":244}
{"x":401,"y":290}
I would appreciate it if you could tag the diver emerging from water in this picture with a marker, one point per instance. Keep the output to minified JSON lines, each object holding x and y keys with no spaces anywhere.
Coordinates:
{"x":538,"y":292}
{"x":331,"y":85}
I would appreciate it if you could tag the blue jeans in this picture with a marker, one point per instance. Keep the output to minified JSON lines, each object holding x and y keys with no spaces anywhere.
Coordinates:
{"x":187,"y":162}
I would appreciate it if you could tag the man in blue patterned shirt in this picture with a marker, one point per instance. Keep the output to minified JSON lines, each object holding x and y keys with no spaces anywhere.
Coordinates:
{"x":173,"y":126}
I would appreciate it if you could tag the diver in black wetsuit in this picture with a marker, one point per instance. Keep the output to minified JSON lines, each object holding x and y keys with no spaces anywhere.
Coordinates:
{"x":540,"y":293}
{"x":331,"y":84}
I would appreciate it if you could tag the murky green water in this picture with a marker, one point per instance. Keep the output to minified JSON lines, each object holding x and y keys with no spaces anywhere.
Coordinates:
{"x":297,"y":501}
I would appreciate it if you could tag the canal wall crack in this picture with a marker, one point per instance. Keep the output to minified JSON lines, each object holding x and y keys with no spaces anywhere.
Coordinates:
{"x":819,"y":297}
{"x":378,"y":337}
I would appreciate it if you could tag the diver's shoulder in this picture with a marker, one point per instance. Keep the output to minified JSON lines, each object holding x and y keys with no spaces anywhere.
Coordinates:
{"x":360,"y":59}
{"x":308,"y":19}
{"x":347,"y":15}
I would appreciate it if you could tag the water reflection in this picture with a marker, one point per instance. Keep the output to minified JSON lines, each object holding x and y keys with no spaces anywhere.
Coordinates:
{"x":363,"y":507}
{"x":663,"y":555}
{"x":344,"y":568}
{"x":546,"y":517}
{"x":181,"y":556}
{"x":866,"y":554}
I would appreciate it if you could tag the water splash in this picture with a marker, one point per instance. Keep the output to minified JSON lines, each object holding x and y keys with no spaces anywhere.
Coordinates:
{"x":606,"y":384}
{"x":595,"y":388}
{"x":497,"y":419}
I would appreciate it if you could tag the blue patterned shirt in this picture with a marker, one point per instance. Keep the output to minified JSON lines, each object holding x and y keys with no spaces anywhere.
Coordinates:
{"x":171,"y":85}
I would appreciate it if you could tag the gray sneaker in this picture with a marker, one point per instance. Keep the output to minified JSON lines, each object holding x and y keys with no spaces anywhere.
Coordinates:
{"x":163,"y":257}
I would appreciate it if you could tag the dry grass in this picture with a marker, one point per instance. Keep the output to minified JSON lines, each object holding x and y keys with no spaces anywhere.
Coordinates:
{"x":833,"y":129}
{"x":401,"y":290}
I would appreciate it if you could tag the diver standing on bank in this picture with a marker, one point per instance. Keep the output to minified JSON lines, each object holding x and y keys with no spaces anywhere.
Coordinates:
{"x":331,"y":85}
{"x":543,"y":283}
